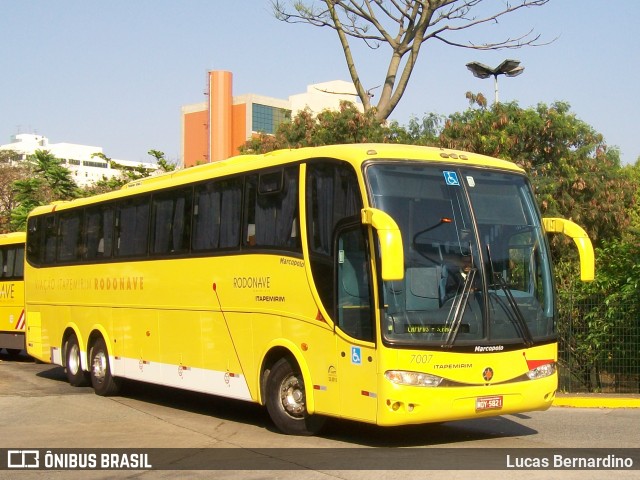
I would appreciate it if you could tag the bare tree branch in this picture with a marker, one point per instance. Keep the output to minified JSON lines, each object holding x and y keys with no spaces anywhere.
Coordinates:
{"x":402,"y":25}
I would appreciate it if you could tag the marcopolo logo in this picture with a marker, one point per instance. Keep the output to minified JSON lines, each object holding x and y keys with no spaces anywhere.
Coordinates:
{"x":491,"y":348}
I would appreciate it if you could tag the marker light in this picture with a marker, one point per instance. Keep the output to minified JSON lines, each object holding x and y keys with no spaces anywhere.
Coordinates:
{"x":542,"y":371}
{"x":417,"y":379}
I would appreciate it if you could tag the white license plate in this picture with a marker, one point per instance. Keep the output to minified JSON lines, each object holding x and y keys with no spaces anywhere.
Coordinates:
{"x":489,"y":403}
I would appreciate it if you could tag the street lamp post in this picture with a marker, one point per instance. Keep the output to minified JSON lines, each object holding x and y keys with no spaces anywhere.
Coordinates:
{"x":510,"y":68}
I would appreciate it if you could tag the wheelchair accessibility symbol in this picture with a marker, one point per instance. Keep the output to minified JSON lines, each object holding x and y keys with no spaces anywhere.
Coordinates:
{"x":451,"y":177}
{"x":356,"y":356}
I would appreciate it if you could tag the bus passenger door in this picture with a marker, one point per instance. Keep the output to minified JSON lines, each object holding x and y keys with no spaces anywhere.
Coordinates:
{"x":355,"y":328}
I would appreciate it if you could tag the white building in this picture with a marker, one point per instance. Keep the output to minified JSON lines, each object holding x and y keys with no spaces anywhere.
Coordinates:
{"x":323,"y":96}
{"x":85,"y":168}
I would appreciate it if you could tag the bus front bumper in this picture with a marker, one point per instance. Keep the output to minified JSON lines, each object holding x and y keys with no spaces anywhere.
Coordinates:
{"x":404,"y":405}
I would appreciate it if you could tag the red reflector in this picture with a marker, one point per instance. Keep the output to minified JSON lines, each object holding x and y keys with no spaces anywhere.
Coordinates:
{"x":531,"y":364}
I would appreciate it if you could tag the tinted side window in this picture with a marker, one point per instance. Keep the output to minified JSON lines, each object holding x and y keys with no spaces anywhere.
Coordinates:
{"x":11,"y":263}
{"x":50,"y":238}
{"x":35,"y":250}
{"x":132,"y":227}
{"x":3,"y":263}
{"x":272,"y":209}
{"x":217,"y":212}
{"x":354,"y":313}
{"x":332,"y":194}
{"x":98,"y":235}
{"x":171,"y":225}
{"x":69,"y":240}
{"x":18,"y":270}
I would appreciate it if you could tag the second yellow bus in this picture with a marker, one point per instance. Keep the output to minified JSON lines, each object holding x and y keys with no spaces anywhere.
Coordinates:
{"x":12,"y":317}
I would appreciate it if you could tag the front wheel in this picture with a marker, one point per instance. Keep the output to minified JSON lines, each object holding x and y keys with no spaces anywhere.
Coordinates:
{"x":104,"y":384}
{"x":286,"y":400}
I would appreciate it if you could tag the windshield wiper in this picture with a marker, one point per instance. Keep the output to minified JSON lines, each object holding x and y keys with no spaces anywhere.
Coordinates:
{"x":517,"y":318}
{"x":458,"y":308}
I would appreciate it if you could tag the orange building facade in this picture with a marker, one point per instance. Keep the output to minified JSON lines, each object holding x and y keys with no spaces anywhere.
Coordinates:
{"x":214,"y":130}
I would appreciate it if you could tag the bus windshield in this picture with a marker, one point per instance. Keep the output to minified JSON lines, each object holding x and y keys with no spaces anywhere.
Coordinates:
{"x":477,"y":266}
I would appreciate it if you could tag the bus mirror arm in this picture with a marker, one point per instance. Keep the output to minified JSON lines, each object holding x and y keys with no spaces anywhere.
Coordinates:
{"x":580,"y":238}
{"x":390,"y":237}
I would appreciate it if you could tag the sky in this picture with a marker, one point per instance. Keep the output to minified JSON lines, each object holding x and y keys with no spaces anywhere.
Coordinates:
{"x":116,"y":74}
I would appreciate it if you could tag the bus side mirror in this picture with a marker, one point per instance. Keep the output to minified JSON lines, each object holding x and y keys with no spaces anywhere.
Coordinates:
{"x":585,"y":249}
{"x":391,"y":251}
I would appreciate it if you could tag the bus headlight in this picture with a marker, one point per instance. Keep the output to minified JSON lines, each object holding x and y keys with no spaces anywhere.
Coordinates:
{"x":542,"y":371}
{"x":416,"y":379}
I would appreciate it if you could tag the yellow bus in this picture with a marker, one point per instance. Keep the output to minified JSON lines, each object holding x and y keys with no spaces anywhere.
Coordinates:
{"x":12,"y":318}
{"x":386,"y":284}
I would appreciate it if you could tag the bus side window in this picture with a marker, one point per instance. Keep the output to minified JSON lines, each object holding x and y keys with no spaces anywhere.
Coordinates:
{"x":98,"y":235}
{"x":50,"y":238}
{"x":332,"y":193}
{"x":34,"y":240}
{"x":18,"y":271}
{"x":11,"y":259}
{"x":69,"y":239}
{"x":171,"y":223}
{"x":132,"y":225}
{"x":216,"y":215}
{"x":353,"y":282}
{"x":271,"y":210}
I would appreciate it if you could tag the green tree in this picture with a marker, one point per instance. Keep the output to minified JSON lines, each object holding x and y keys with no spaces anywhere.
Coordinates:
{"x":329,"y":127}
{"x":425,"y":131}
{"x":10,"y":171}
{"x":403,"y":27}
{"x":600,"y":331}
{"x":47,"y":180}
{"x":575,"y":174}
{"x":125,"y":175}
{"x":633,"y":232}
{"x":163,"y":164}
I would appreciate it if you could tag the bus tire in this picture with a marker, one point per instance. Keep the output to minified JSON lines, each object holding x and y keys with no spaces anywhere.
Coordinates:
{"x":72,"y":365}
{"x":104,"y":384}
{"x":286,"y":401}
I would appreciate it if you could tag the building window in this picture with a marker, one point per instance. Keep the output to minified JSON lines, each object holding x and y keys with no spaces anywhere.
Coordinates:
{"x":266,"y":119}
{"x":90,"y":163}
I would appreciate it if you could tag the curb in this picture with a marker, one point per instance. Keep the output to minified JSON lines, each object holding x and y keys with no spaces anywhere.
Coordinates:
{"x":597,"y":401}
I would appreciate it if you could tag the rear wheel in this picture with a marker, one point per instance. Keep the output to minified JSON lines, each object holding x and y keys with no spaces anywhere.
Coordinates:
{"x":102,"y":381}
{"x":76,"y":376}
{"x":286,"y":400}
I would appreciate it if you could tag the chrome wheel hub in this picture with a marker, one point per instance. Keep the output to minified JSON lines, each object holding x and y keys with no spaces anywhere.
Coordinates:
{"x":73,"y":359}
{"x":99,"y":366}
{"x":292,"y":396}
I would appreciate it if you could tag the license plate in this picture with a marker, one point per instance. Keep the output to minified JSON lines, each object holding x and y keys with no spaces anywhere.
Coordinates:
{"x":489,"y":403}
